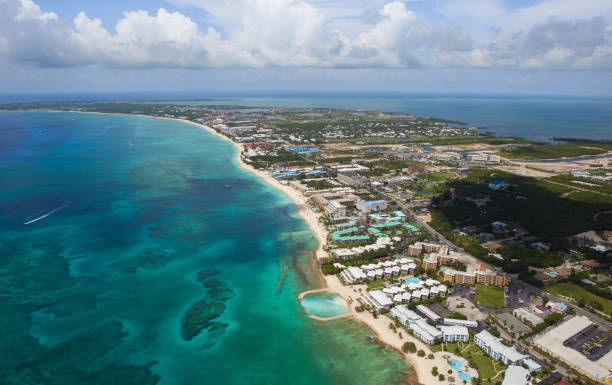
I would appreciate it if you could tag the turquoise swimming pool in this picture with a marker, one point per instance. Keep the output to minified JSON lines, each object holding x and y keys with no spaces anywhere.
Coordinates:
{"x":457,"y":366}
{"x":464,"y":376}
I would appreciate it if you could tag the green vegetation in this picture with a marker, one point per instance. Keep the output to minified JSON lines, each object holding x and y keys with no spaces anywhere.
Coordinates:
{"x":545,"y":214}
{"x":486,"y":366}
{"x":409,"y":347}
{"x":583,"y":183}
{"x":421,"y":353}
{"x":572,"y":149}
{"x":581,"y":295}
{"x":489,"y":296}
{"x":376,"y":284}
{"x":550,"y":320}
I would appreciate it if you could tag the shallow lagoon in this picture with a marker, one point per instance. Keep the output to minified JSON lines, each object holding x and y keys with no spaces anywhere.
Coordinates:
{"x":325,"y":305}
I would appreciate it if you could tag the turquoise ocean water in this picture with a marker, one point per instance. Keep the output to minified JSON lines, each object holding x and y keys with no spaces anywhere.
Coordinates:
{"x":527,"y":117}
{"x":137,"y":266}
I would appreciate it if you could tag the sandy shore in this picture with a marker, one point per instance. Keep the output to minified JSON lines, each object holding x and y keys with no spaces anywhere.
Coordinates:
{"x":380,"y":328}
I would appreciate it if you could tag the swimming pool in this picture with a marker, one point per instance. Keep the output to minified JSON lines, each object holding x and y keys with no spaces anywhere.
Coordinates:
{"x":456,"y":364}
{"x":412,"y":280}
{"x":464,"y":376}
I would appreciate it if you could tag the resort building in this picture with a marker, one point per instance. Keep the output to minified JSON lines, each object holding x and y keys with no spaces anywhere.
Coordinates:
{"x":335,"y":210}
{"x":455,"y":333}
{"x":516,"y":375}
{"x":377,"y":299}
{"x":418,"y":248}
{"x":430,"y":262}
{"x":425,"y":332}
{"x":427,"y":312}
{"x":404,"y":315}
{"x":459,"y":322}
{"x":493,"y":347}
{"x":353,"y":274}
{"x":369,"y":206}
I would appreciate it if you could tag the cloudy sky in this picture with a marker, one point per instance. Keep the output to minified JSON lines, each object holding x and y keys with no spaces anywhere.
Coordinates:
{"x":552,"y":47}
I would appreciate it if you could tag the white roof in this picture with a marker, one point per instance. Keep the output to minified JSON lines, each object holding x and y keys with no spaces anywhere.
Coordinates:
{"x":532,"y":365}
{"x":381,"y":298}
{"x":495,"y":344}
{"x":460,"y":322}
{"x":454,"y":330}
{"x":516,"y":375}
{"x":424,"y":326}
{"x":356,"y":272}
{"x":428,"y":312}
{"x":552,"y":341}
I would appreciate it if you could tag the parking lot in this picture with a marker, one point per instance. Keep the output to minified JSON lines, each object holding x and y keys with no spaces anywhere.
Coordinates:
{"x":516,"y":296}
{"x":456,"y":303}
{"x":512,"y":323}
{"x":593,"y":342}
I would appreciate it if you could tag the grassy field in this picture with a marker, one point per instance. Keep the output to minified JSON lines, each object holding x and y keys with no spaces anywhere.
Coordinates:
{"x":489,"y":296}
{"x":377,"y":284}
{"x":555,"y":151}
{"x":572,"y":290}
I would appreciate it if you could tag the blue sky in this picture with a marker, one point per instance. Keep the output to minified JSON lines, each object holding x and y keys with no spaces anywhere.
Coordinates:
{"x":551,"y":47}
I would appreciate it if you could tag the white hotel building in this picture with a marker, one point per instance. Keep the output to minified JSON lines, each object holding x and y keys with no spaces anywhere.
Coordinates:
{"x":455,"y":333}
{"x":494,"y":348}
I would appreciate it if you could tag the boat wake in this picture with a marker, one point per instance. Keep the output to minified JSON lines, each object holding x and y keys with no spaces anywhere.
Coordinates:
{"x":47,"y":214}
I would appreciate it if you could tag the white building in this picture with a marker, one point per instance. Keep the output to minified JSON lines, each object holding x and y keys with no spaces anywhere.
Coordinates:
{"x":404,"y":315}
{"x":369,"y":206}
{"x":455,"y":333}
{"x":492,"y":346}
{"x":516,"y":375}
{"x":335,"y":210}
{"x":427,"y":312}
{"x":425,"y":332}
{"x":525,"y":315}
{"x":377,"y":299}
{"x":459,"y":322}
{"x":353,"y":274}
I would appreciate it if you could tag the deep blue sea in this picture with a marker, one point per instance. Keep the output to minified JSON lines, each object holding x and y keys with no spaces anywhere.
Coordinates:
{"x":527,"y":117}
{"x":125,"y":260}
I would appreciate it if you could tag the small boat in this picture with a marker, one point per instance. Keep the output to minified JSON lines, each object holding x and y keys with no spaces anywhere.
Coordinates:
{"x":227,"y":186}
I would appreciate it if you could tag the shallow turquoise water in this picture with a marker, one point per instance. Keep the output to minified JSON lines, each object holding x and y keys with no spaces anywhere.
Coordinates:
{"x":324,"y":305}
{"x":140,"y":268}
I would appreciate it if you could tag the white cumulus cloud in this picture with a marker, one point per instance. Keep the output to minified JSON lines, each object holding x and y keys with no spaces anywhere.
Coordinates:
{"x":300,"y":33}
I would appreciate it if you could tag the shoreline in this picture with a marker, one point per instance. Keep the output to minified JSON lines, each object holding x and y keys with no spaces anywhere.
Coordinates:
{"x":379,"y":326}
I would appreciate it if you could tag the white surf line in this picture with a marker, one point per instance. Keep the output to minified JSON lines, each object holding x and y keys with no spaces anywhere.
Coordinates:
{"x":47,"y":214}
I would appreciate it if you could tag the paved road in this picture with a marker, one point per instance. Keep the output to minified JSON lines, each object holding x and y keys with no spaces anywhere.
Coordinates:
{"x":606,"y":324}
{"x":421,"y":222}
